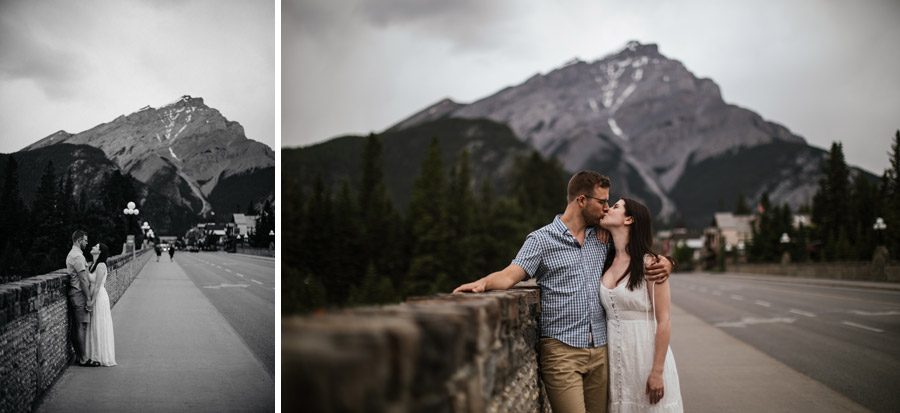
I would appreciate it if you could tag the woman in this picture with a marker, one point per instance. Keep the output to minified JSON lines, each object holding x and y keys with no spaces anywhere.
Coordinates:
{"x":100,"y":343}
{"x":642,"y":374}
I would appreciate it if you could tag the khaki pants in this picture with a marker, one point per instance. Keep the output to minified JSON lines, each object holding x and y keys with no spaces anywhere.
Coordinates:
{"x":576,"y":379}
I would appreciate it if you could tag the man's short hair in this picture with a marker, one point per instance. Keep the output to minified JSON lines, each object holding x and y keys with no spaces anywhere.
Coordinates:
{"x":584,"y":182}
{"x":77,"y":235}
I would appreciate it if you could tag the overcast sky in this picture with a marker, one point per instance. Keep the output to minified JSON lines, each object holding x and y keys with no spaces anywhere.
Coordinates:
{"x":828,"y":70}
{"x":74,"y":64}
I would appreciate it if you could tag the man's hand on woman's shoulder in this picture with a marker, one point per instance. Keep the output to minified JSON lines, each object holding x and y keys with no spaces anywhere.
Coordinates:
{"x":658,"y":269}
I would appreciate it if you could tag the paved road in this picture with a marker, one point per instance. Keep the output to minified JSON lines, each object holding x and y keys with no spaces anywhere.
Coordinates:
{"x":845,"y":338}
{"x":242,"y":289}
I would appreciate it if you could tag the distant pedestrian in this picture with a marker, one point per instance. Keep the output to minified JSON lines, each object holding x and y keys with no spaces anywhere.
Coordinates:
{"x":171,"y":253}
{"x":158,"y":251}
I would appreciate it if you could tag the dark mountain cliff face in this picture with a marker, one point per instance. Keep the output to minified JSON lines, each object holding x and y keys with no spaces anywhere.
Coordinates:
{"x":184,"y":151}
{"x":91,"y":172}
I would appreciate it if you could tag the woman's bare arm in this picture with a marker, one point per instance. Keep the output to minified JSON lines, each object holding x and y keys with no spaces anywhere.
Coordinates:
{"x":662,"y":304}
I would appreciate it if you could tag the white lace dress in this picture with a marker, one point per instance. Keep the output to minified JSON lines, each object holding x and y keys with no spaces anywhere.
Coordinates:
{"x":101,"y":346}
{"x":631,"y":334}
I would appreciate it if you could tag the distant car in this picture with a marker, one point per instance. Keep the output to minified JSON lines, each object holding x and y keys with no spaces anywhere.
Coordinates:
{"x":165,"y":247}
{"x":193,"y":248}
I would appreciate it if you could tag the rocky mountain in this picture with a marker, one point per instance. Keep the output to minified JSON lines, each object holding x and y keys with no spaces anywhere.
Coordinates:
{"x":663,"y":134}
{"x":186,"y":151}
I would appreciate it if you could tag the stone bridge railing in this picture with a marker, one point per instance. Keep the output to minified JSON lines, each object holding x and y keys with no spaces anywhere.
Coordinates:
{"x":35,"y":340}
{"x":444,"y":353}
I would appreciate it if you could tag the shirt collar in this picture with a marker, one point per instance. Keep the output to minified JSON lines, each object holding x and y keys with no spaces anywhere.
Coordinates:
{"x":562,"y":228}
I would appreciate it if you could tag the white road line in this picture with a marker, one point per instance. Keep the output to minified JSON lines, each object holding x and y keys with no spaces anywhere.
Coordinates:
{"x":737,"y":297}
{"x":849,"y":323}
{"x":240,"y":275}
{"x":801,"y":312}
{"x":874,"y":313}
{"x":702,"y":289}
{"x":717,"y":292}
{"x":228,"y":269}
{"x":763,"y":303}
{"x":256,"y":282}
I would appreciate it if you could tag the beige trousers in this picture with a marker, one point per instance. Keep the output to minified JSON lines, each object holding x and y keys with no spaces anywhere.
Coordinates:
{"x":576,"y":379}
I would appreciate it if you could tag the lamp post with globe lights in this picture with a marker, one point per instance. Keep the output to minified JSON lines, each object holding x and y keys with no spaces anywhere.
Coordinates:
{"x":881,"y":251}
{"x":786,"y":255}
{"x":131,"y":212}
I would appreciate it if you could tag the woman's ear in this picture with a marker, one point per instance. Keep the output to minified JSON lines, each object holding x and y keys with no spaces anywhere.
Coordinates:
{"x":629,"y":220}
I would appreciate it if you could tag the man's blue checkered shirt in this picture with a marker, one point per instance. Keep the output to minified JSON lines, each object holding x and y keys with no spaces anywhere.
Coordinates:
{"x":569,"y":277}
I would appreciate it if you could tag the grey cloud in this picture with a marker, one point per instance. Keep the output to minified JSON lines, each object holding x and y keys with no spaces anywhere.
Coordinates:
{"x":25,"y":56}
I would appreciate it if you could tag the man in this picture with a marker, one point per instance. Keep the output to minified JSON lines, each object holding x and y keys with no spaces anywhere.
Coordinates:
{"x":79,"y":294}
{"x":567,"y":257}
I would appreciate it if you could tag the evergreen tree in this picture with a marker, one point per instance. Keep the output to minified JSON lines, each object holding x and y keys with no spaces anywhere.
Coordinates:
{"x":293,"y":216}
{"x":429,"y":229}
{"x":461,"y":219}
{"x":265,"y":225}
{"x":891,"y":200}
{"x":830,"y":204}
{"x":865,"y":205}
{"x":49,"y":246}
{"x":539,"y":188}
{"x":15,"y":235}
{"x":346,"y":233}
{"x":381,"y":230}
{"x":741,"y":207}
{"x":317,"y":254}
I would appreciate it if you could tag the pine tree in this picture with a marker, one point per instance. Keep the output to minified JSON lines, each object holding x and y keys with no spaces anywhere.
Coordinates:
{"x":15,"y":235}
{"x":461,"y":219}
{"x":381,"y":230}
{"x":48,"y":248}
{"x":891,"y":199}
{"x":830,"y":203}
{"x":428,"y":220}
{"x":346,"y":233}
{"x":741,"y":207}
{"x":318,"y":253}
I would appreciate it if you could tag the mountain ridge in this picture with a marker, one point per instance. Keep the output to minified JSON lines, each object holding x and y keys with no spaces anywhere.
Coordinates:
{"x":184,"y":149}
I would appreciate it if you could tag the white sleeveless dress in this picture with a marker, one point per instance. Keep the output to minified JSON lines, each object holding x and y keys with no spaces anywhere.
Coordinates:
{"x":101,"y":346}
{"x":631,"y":334}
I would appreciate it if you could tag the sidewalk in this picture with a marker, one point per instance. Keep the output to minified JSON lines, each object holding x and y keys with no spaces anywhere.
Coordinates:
{"x":174,"y":351}
{"x":719,"y":373}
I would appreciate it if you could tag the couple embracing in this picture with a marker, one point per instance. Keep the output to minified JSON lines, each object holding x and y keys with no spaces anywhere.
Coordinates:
{"x":93,"y":338}
{"x":605,"y":300}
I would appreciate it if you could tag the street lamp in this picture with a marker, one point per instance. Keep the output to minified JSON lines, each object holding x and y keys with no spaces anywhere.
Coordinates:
{"x":879,"y":226}
{"x":131,"y":212}
{"x":785,"y":240}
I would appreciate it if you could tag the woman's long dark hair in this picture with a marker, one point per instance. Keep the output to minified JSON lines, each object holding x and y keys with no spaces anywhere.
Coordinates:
{"x":640,"y":242}
{"x":104,"y":254}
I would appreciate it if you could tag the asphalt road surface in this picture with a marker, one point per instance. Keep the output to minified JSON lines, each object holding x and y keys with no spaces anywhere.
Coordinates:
{"x":242,"y":289}
{"x":845,"y":338}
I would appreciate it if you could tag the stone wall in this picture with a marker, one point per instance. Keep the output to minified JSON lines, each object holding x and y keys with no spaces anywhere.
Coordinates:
{"x":444,"y":353}
{"x":34,"y":330}
{"x":857,"y":271}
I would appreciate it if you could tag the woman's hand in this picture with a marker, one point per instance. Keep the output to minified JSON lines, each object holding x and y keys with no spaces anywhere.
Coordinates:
{"x":655,"y":387}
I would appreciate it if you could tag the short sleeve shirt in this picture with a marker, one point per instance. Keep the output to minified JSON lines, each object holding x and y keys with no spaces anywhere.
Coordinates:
{"x":568,"y":275}
{"x":75,"y":263}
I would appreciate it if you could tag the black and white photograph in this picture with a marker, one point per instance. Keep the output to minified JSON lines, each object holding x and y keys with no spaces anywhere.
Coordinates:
{"x":138,"y":204}
{"x":590,"y":205}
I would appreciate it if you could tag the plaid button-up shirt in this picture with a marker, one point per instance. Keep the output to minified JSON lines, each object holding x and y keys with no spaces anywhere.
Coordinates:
{"x":569,"y":277}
